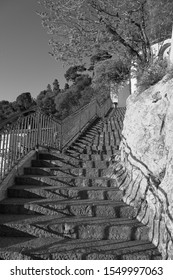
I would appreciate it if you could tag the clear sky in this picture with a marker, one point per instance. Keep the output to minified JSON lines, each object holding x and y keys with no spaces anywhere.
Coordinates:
{"x":25,"y":64}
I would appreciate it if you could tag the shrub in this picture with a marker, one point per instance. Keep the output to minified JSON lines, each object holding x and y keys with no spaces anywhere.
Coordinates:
{"x":151,"y":74}
{"x":71,"y":100}
{"x":170,"y":73}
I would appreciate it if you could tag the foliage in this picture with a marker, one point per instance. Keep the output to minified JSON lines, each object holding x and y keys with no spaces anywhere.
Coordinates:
{"x":151,"y":74}
{"x":23,"y":102}
{"x":66,"y":86}
{"x":6,"y":110}
{"x":74,"y":72}
{"x":46,"y":98}
{"x":79,"y":94}
{"x":46,"y":101}
{"x":56,"y":87}
{"x":107,"y":72}
{"x":169,"y":73}
{"x":111,"y":70}
{"x":100,"y":55}
{"x":61,"y":103}
{"x":79,"y":27}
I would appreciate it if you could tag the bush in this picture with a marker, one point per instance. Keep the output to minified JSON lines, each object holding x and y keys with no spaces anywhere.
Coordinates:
{"x":71,"y":100}
{"x":170,"y":74}
{"x":151,"y":74}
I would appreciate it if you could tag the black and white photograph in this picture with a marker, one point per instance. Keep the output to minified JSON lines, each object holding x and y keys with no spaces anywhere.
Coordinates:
{"x":86,"y":136}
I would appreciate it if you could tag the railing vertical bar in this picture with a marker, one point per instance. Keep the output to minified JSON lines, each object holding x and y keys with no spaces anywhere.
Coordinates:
{"x":35,"y":129}
{"x":55,"y":136}
{"x":43,"y":129}
{"x":38,"y":128}
{"x":25,"y":136}
{"x":40,"y":142}
{"x":32,"y":133}
{"x":11,"y":143}
{"x":14,"y":144}
{"x":6,"y":153}
{"x":50,"y":132}
{"x":21,"y":142}
{"x":28,"y":133}
{"x":47,"y":125}
{"x":3,"y":150}
{"x":17,"y":140}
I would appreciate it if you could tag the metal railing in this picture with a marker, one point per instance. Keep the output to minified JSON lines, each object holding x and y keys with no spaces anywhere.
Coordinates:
{"x":33,"y":128}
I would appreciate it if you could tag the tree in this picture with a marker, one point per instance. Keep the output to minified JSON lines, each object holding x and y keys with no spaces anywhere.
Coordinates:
{"x":111,"y":70}
{"x":56,"y":88}
{"x":6,"y":110}
{"x":46,"y":100}
{"x":79,"y":27}
{"x":75,"y":96}
{"x":49,"y":89}
{"x":74,"y":72}
{"x":66,"y":86}
{"x":24,"y":101}
{"x":108,"y":73}
{"x":100,"y":55}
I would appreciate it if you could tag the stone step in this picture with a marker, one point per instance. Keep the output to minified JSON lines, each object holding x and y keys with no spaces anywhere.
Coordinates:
{"x":95,"y":146}
{"x":65,"y":181}
{"x":65,"y":165}
{"x":74,"y":228}
{"x":65,"y":192}
{"x":91,"y":152}
{"x":67,"y":208}
{"x":75,"y":158}
{"x":70,"y":249}
{"x":72,"y":172}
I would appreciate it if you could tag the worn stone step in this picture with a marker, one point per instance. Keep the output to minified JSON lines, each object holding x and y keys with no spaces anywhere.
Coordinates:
{"x":59,"y":158}
{"x":101,"y":148}
{"x":64,"y":208}
{"x":65,"y":165}
{"x":65,"y":192}
{"x":75,"y":158}
{"x":75,"y":228}
{"x":65,"y":181}
{"x":92,"y":152}
{"x":74,"y":172}
{"x":57,"y":163}
{"x":70,"y":249}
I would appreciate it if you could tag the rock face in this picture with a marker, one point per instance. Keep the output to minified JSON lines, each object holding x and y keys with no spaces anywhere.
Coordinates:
{"x":147,"y":153}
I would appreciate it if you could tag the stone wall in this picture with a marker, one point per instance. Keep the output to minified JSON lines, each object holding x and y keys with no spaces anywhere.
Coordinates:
{"x":147,"y":161}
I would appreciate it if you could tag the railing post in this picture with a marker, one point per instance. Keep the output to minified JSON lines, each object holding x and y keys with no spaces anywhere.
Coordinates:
{"x":60,"y":140}
{"x":38,"y":128}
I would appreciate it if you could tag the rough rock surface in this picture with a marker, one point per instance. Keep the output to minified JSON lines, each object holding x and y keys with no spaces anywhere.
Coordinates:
{"x":147,"y":153}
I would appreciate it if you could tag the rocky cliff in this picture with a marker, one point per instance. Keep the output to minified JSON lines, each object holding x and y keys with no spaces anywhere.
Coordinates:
{"x":147,"y":160}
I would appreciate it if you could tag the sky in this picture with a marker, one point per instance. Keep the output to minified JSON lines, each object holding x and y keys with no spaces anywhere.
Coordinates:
{"x":25,"y":65}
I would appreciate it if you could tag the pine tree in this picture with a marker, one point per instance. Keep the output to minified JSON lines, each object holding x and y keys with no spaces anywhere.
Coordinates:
{"x":56,"y":87}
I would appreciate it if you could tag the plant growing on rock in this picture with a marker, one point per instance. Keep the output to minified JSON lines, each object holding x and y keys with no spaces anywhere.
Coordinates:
{"x":151,"y":74}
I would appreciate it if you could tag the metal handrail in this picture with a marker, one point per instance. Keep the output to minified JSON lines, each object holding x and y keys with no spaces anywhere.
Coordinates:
{"x":31,"y":129}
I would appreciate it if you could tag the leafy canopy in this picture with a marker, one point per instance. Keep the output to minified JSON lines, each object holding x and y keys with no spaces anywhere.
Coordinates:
{"x":78,"y":27}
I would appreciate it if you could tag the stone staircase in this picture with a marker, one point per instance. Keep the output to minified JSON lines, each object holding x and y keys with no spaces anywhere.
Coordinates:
{"x":65,"y":206}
